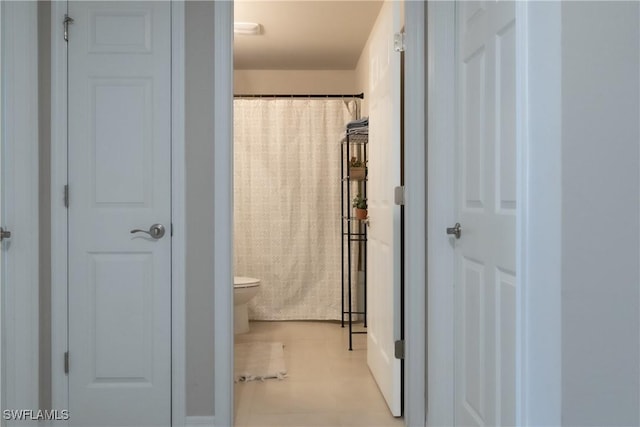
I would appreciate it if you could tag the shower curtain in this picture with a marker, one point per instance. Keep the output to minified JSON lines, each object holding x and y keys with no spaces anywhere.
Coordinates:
{"x":287,"y":161}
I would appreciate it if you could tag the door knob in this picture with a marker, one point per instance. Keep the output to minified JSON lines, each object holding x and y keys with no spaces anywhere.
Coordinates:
{"x":156,"y":231}
{"x":4,"y":234}
{"x":456,"y":230}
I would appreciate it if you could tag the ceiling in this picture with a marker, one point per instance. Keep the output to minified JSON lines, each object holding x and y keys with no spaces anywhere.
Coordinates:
{"x":304,"y":34}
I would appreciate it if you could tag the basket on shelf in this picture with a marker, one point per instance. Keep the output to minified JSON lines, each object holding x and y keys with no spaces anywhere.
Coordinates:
{"x":357,"y":169}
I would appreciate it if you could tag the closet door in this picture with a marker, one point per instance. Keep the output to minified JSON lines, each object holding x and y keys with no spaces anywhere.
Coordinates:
{"x":119,"y":181}
{"x":485,"y":269}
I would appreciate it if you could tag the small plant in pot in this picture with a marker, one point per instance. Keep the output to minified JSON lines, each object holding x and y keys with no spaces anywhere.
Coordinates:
{"x":357,"y":169}
{"x":360,"y":204}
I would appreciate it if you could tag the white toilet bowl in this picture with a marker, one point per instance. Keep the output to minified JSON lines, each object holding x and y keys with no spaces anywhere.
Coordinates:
{"x":244,"y":288}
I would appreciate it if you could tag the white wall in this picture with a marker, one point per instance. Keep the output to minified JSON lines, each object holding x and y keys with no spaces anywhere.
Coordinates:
{"x":362,"y":77}
{"x":600,"y":213}
{"x":256,"y":82}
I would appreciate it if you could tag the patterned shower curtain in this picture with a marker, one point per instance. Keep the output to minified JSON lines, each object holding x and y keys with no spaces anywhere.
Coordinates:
{"x":287,"y":204}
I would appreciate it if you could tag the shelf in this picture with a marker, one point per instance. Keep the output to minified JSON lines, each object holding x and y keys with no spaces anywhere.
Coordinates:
{"x":355,"y":139}
{"x":354,"y":230}
{"x":355,"y":219}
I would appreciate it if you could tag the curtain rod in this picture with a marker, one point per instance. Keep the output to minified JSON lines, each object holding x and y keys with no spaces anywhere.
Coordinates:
{"x":359,"y":95}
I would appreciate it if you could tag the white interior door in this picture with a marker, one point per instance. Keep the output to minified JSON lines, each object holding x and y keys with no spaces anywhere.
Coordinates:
{"x":19,"y":253}
{"x":486,"y":208}
{"x":119,"y":115}
{"x":383,"y":246}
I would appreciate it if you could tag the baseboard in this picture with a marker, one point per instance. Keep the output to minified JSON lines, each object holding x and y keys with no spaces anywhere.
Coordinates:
{"x":200,"y":421}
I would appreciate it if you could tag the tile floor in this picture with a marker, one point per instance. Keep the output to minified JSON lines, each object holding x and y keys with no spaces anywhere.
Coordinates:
{"x":327,"y":386}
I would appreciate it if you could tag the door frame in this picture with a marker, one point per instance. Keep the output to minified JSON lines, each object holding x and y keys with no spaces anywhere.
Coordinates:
{"x":59,"y":227}
{"x":440,"y":211}
{"x":415,"y":214}
{"x":223,"y":214}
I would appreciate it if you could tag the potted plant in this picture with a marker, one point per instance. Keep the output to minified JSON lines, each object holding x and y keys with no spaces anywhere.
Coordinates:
{"x":360,"y":204}
{"x":357,"y":169}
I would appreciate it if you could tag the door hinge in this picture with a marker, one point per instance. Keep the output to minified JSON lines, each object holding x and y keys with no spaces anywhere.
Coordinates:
{"x":399,"y":42}
{"x":66,"y":196}
{"x":399,"y":349}
{"x":398,"y":195}
{"x":4,"y":234}
{"x":66,"y":362}
{"x":65,"y":24}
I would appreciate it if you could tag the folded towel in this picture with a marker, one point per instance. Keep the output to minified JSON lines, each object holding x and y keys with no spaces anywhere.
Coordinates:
{"x":354,"y":132}
{"x":358,"y":123}
{"x":364,"y":130}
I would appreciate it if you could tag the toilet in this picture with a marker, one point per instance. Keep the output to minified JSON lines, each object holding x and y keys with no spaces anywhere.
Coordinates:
{"x":244,"y":288}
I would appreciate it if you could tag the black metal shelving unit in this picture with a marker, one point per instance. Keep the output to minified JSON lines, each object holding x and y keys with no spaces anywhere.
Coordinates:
{"x":354,"y":231}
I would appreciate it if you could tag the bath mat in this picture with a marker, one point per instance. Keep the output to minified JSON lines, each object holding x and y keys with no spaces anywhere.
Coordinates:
{"x":259,"y":361}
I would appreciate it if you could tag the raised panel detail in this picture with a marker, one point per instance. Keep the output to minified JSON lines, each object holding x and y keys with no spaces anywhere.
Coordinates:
{"x":505,"y":353}
{"x":379,"y":267}
{"x":472,"y":11}
{"x":122,"y":285}
{"x":506,"y":115}
{"x":122,"y":141}
{"x":473,"y":334}
{"x":120,"y":31}
{"x":473,"y":131}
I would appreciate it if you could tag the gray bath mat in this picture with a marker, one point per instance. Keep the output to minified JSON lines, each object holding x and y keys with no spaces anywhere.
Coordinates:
{"x":259,"y":361}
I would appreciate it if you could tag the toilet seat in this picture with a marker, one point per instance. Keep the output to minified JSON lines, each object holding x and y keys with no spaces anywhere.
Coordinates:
{"x":245,"y":282}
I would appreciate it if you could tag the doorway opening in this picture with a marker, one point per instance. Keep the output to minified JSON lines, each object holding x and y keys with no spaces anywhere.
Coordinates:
{"x":314,"y":342}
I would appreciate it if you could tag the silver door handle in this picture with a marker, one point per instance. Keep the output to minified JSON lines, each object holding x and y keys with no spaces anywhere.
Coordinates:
{"x":156,"y":231}
{"x":4,"y":234}
{"x":456,"y":230}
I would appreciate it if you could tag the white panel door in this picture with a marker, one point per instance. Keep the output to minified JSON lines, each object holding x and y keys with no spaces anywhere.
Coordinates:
{"x":486,"y":207}
{"x":383,"y":246}
{"x":119,"y":178}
